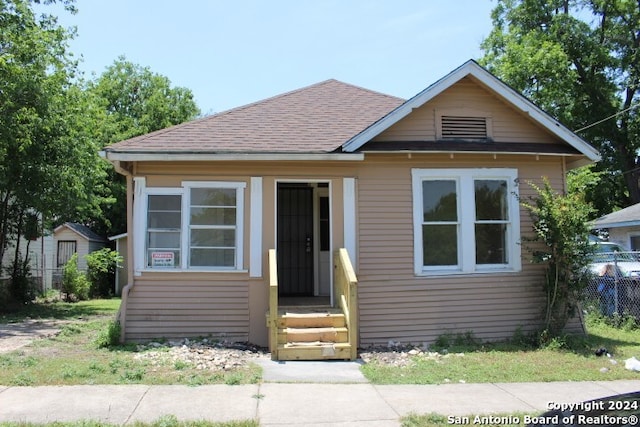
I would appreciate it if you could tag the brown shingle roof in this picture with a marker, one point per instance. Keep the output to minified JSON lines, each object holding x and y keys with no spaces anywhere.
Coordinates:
{"x":314,"y":119}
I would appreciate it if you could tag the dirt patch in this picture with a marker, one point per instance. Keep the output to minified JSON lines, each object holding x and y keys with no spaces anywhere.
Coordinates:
{"x":17,"y":335}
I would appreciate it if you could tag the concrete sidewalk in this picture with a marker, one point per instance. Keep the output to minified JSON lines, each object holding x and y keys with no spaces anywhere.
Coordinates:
{"x":292,"y":404}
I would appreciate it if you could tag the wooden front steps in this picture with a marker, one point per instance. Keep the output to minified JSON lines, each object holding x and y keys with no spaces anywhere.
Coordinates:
{"x":312,"y":333}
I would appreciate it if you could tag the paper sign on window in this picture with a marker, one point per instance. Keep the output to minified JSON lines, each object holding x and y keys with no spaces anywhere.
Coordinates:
{"x":162,"y":259}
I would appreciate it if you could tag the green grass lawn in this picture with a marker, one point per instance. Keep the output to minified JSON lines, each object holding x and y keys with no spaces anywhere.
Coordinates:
{"x":75,"y":357}
{"x":61,"y":310}
{"x":571,"y":359}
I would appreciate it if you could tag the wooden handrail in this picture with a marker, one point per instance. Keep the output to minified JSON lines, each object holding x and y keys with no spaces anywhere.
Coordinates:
{"x":346,"y":293}
{"x":273,"y":304}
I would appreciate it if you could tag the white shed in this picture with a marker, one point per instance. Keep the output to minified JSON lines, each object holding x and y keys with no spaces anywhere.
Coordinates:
{"x":73,"y":238}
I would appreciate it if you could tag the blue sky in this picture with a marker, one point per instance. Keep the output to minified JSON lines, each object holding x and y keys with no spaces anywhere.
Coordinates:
{"x":233,"y":52}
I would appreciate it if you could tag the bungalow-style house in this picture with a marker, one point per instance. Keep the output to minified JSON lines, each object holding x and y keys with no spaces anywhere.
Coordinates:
{"x":396,"y":220}
{"x":623,"y":226}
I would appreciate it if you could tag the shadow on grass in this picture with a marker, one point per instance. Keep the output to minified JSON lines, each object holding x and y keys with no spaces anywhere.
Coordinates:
{"x":58,"y":310}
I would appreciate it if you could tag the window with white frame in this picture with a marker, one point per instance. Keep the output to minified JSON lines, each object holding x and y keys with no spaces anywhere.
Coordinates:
{"x":212,"y":227}
{"x":465,"y":220}
{"x":197,"y":226}
{"x":164,"y":229}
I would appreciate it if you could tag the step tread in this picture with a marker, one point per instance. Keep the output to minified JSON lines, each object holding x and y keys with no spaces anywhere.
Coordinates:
{"x":314,"y":320}
{"x":318,"y":329}
{"x":299,"y":315}
{"x":314,"y":344}
{"x":313,"y":335}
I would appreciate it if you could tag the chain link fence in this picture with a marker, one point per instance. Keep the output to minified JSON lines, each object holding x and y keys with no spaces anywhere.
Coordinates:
{"x":614,"y":287}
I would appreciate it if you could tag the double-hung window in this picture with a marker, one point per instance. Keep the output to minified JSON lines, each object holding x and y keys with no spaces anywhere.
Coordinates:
{"x":164,"y":228}
{"x":465,"y":221}
{"x":213,"y":227}
{"x":194,"y":227}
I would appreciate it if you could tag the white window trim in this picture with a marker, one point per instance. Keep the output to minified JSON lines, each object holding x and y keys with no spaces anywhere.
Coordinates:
{"x":158,"y":191}
{"x":255,"y":228}
{"x":466,"y":213}
{"x":350,"y":238}
{"x":140,"y":217}
{"x":139,"y":224}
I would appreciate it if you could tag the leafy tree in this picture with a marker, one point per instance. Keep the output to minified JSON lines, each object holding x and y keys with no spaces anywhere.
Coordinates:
{"x":560,"y":242}
{"x":580,"y":61}
{"x":101,"y":270}
{"x":47,"y":164}
{"x":53,"y":124}
{"x":141,"y":101}
{"x":136,"y":101}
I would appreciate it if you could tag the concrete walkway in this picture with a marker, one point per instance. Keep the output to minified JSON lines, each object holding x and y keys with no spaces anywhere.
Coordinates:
{"x":292,"y":404}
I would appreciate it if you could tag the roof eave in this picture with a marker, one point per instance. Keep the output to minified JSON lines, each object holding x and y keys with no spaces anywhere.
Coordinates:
{"x":139,"y":156}
{"x":617,"y":224}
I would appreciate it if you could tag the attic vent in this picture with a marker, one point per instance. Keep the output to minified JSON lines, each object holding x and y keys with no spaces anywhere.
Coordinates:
{"x":458,"y":127}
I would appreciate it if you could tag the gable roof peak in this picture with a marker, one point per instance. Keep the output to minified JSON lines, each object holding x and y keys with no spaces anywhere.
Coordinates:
{"x":82,"y":230}
{"x":491,"y":82}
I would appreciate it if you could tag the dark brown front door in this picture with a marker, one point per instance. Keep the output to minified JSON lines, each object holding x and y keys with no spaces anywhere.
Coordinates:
{"x":295,"y":239}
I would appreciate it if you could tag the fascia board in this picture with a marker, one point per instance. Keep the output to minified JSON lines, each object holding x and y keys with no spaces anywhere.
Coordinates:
{"x":168,"y":157}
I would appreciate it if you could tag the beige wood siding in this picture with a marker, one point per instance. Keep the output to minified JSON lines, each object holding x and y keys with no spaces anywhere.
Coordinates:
{"x":223,"y":305}
{"x":189,"y":305}
{"x":394,"y":303}
{"x":508,"y":125}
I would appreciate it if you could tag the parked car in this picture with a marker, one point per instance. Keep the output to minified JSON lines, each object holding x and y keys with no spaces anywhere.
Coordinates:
{"x":615,"y":282}
{"x":620,"y":411}
{"x":607,"y":253}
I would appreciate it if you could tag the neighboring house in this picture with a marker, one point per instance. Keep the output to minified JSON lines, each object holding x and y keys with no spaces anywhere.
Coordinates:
{"x":71,"y":238}
{"x":623,"y":226}
{"x":41,"y":260}
{"x":421,"y":194}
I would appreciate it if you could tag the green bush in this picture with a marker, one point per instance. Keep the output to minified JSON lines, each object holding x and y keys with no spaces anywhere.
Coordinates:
{"x":101,"y":269}
{"x":559,"y":242}
{"x":110,"y":336}
{"x":74,"y":282}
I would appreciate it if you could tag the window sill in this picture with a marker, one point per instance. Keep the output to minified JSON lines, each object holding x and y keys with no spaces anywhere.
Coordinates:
{"x":445,"y":273}
{"x":190,"y":270}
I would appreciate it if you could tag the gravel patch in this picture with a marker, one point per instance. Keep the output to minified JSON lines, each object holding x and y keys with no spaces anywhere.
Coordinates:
{"x":202,"y":354}
{"x":208,"y":354}
{"x":398,"y":355}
